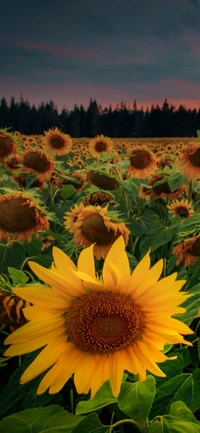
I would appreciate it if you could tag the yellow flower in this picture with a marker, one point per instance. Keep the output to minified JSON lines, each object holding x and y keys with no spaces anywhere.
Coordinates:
{"x":142,"y":162}
{"x":98,"y":327}
{"x":190,"y":161}
{"x":188,"y":251}
{"x":57,"y":142}
{"x":180,"y":208}
{"x":100,"y":144}
{"x":38,"y":163}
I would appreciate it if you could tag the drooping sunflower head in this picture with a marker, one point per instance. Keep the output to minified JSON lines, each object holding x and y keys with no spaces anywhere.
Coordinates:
{"x":142,"y":162}
{"x":7,"y":145}
{"x":189,"y":160}
{"x":188,"y":250}
{"x":38,"y":163}
{"x":102,"y":180}
{"x":57,"y":142}
{"x":12,"y":162}
{"x":100,"y":144}
{"x":180,"y":208}
{"x":98,"y":198}
{"x":20,"y":217}
{"x":71,"y":217}
{"x":11,"y":310}
{"x":95,"y":328}
{"x":162,"y":188}
{"x":97,"y":224}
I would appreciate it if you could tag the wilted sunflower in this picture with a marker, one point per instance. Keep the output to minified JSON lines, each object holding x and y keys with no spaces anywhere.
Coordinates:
{"x":11,"y":313}
{"x":97,"y":328}
{"x":163,"y":189}
{"x":180,"y":208}
{"x":57,"y":142}
{"x":102,"y":180}
{"x":7,"y":145}
{"x":142,"y":162}
{"x":98,"y":198}
{"x":71,"y":216}
{"x":189,"y":161}
{"x":100,"y":144}
{"x":38,"y":163}
{"x":97,"y":224}
{"x":188,"y":251}
{"x":20,"y":178}
{"x":20,"y":217}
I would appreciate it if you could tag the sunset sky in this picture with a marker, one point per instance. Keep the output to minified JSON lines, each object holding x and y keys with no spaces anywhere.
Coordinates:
{"x":110,"y":50}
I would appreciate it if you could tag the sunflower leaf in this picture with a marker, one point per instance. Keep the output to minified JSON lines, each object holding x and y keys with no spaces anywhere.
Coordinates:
{"x":90,"y":424}
{"x":180,"y":419}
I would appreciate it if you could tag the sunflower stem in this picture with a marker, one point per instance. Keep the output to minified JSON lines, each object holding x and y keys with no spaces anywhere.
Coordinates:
{"x":127,"y":421}
{"x":26,"y":260}
{"x":72,"y":399}
{"x":134,"y":245}
{"x":190,"y":191}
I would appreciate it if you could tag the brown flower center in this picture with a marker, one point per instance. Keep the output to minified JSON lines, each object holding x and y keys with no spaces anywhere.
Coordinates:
{"x":6,"y":145}
{"x":195,"y":158}
{"x":100,"y":146}
{"x":182,"y":211}
{"x":140,"y":159}
{"x":57,"y":142}
{"x":16,"y":215}
{"x":102,"y":181}
{"x":163,"y":188}
{"x":195,"y":248}
{"x":104,"y":322}
{"x":94,"y":229}
{"x":37,"y":162}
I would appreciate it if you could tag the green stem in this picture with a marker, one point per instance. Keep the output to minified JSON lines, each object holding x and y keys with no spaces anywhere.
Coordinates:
{"x":138,"y":206}
{"x":190,"y":191}
{"x":164,"y":267}
{"x":134,"y":245}
{"x":127,"y":421}
{"x":26,"y":260}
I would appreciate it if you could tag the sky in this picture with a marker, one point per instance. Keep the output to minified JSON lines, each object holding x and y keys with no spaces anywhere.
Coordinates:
{"x":109,"y":50}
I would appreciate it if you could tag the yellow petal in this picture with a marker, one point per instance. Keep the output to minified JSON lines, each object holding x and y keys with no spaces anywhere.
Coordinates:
{"x":102,"y":373}
{"x":117,"y":256}
{"x":140,"y":271}
{"x":66,"y":366}
{"x":137,"y":364}
{"x":147,"y":280}
{"x":36,"y":313}
{"x":150,"y":365}
{"x":42,"y":296}
{"x":86,"y":262}
{"x":84,"y":373}
{"x":170,"y":322}
{"x":34,"y":329}
{"x":90,"y":282}
{"x":116,"y":372}
{"x":64,"y":266}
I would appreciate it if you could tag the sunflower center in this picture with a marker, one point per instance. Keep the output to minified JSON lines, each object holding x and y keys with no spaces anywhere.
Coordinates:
{"x":37,"y":162}
{"x":16,"y":215}
{"x":195,"y":248}
{"x":140,"y":159}
{"x":195,"y":158}
{"x":100,"y":146}
{"x":94,"y":229}
{"x":163,"y":188}
{"x":102,"y":181}
{"x":57,"y":142}
{"x":104,"y":322}
{"x":182,"y":211}
{"x":6,"y":146}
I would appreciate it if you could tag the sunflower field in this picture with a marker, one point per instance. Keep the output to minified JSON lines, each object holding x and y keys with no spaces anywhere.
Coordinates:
{"x":99,"y":284}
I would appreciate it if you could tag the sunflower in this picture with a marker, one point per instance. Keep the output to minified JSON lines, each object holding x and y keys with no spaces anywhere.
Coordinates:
{"x":72,"y":216}
{"x":38,"y":163}
{"x":102,"y":180}
{"x":163,"y":189}
{"x":188,"y":251}
{"x":97,"y":328}
{"x":142,"y":162}
{"x":189,"y":161}
{"x":57,"y":142}
{"x":12,"y":163}
{"x":100,"y":144}
{"x":98,"y":198}
{"x":20,"y":217}
{"x":180,"y":208}
{"x":20,"y":178}
{"x":11,"y":313}
{"x":97,"y":224}
{"x":7,"y":145}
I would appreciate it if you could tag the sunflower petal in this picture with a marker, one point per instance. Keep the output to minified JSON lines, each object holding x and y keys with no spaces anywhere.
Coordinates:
{"x":86,"y":262}
{"x":64,"y":266}
{"x":42,"y":296}
{"x":118,"y":257}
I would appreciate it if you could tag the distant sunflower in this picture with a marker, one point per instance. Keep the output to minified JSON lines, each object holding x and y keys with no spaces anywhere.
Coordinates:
{"x":12,"y":162}
{"x":100,"y":144}
{"x":97,"y":328}
{"x":57,"y":142}
{"x":98,"y":198}
{"x":11,"y":310}
{"x":180,"y":208}
{"x":71,"y":217}
{"x":188,"y":251}
{"x":38,"y":163}
{"x":163,"y":189}
{"x":102,"y":180}
{"x":97,"y":224}
{"x":142,"y":162}
{"x":189,"y":161}
{"x":7,"y":145}
{"x":20,"y":217}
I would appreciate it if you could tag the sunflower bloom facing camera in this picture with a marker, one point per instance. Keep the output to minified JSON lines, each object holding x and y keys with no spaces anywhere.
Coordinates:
{"x":95,"y":328}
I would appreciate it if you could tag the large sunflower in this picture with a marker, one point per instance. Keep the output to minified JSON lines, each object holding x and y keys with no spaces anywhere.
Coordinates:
{"x":142,"y":162}
{"x":97,"y":224}
{"x":188,"y":250}
{"x":97,"y":328}
{"x":100,"y":144}
{"x":180,"y":208}
{"x":57,"y":142}
{"x":38,"y":163}
{"x":20,"y":217}
{"x":190,"y":161}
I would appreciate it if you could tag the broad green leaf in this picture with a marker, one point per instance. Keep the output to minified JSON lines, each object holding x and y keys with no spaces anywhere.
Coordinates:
{"x":190,"y":224}
{"x":11,"y":255}
{"x":103,"y":397}
{"x":90,"y":424}
{"x":175,"y":180}
{"x":67,"y":190}
{"x":51,"y":419}
{"x":18,"y":277}
{"x":184,"y":387}
{"x":136,"y":399}
{"x":34,"y":247}
{"x":192,"y":305}
{"x":132,"y":187}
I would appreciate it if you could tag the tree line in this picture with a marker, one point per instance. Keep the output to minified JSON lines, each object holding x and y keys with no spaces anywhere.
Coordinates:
{"x":121,"y":121}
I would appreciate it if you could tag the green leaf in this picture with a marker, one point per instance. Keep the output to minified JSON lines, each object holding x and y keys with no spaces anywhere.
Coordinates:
{"x":90,"y":424}
{"x":52,"y":419}
{"x":18,"y":277}
{"x":67,"y":191}
{"x":34,"y":247}
{"x":30,"y":179}
{"x":184,"y":387}
{"x":157,"y":237}
{"x":132,"y":187}
{"x":11,"y":256}
{"x":190,"y":224}
{"x":192,"y":305}
{"x":103,"y":397}
{"x":175,"y":180}
{"x":135,"y":399}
